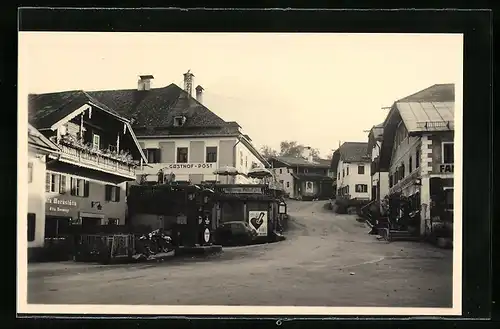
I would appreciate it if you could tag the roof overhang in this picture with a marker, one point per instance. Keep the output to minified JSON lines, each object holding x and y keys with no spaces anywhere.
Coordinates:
{"x":70,"y":116}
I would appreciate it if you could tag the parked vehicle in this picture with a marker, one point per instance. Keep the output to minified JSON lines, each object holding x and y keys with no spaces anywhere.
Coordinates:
{"x":235,"y":233}
{"x":153,"y":243}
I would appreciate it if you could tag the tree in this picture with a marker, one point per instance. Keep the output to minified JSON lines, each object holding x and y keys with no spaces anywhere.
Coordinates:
{"x":289,"y":148}
{"x":267,"y":151}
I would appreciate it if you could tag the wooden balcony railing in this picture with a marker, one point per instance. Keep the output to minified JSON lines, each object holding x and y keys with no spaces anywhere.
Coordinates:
{"x":99,"y":161}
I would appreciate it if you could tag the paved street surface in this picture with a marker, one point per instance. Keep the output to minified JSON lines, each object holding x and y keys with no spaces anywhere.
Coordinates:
{"x":327,"y":260}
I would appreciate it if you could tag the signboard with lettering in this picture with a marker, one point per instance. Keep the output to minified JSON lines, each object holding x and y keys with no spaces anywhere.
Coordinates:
{"x":178,"y":169}
{"x":446,"y":168}
{"x":60,"y":206}
{"x":242,"y":190}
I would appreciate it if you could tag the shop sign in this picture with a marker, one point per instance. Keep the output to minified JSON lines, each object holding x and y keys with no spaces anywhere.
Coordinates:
{"x":206,"y":235}
{"x":446,"y":168}
{"x":257,"y":219}
{"x":242,"y":190}
{"x":60,"y":205}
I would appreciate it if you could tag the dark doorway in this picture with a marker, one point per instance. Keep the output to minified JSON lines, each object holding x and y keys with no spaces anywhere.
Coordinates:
{"x":56,"y":226}
{"x":90,"y":222}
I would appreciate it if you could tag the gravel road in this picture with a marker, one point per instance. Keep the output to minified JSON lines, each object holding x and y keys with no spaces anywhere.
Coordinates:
{"x":327,"y":260}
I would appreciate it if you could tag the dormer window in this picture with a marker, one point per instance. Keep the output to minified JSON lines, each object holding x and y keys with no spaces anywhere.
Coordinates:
{"x":179,"y":121}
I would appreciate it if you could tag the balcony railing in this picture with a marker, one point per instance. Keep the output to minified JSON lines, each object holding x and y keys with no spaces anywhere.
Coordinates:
{"x":118,"y":164}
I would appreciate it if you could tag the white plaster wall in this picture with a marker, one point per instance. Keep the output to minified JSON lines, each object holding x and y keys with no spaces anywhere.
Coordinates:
{"x":287,"y":178}
{"x":244,"y":159}
{"x":36,"y":198}
{"x":354,"y":178}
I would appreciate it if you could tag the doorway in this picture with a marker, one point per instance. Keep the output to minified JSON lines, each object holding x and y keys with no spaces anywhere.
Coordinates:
{"x":56,"y":226}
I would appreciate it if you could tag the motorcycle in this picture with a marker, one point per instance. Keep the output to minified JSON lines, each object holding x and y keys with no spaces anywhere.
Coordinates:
{"x":154,"y":243}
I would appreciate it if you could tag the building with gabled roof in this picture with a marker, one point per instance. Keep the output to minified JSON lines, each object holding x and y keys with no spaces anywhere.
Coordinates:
{"x":98,"y":153}
{"x":177,"y":132}
{"x":417,"y":151}
{"x":303,"y":178}
{"x":350,"y":165}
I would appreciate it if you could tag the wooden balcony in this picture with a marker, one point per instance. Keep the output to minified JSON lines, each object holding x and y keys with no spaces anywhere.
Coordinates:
{"x":97,"y":161}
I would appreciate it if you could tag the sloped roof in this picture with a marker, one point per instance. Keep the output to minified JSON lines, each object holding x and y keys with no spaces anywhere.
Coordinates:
{"x":301,"y":162}
{"x":36,"y":139}
{"x":444,"y":92}
{"x":350,"y":152}
{"x":426,"y":116}
{"x":152,"y":112}
{"x":354,"y":152}
{"x":46,"y":109}
{"x":376,"y":134}
{"x":431,"y":109}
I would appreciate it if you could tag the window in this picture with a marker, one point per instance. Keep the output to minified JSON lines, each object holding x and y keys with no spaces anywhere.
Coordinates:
{"x":30,"y":172}
{"x":113,"y":221}
{"x":80,"y":187}
{"x":182,"y":155}
{"x":153,"y":155}
{"x":417,"y":159}
{"x":343,"y":172}
{"x":361,"y":170}
{"x":112,"y":193}
{"x":361,"y":188}
{"x":55,"y":183}
{"x":281,"y":171}
{"x":96,"y":141}
{"x":347,"y":171}
{"x":287,"y":184}
{"x":179,"y":121}
{"x":410,"y":164}
{"x":281,"y":182}
{"x":246,"y":162}
{"x":31,"y":227}
{"x":448,"y":154}
{"x":403,"y":171}
{"x":241,"y":158}
{"x":339,"y":176}
{"x":211,"y":154}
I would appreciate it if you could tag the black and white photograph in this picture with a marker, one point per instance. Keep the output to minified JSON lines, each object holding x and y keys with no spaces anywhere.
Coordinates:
{"x":240,"y":173}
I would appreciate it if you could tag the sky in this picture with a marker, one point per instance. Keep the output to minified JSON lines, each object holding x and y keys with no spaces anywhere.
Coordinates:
{"x":317,"y":89}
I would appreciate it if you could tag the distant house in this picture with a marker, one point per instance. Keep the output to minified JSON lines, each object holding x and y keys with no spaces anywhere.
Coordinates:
{"x":379,"y":178}
{"x":180,"y":135}
{"x":351,"y":166}
{"x":418,"y":151}
{"x":301,"y":178}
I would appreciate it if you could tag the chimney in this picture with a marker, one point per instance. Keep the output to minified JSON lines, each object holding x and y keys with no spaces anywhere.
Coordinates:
{"x":199,"y":94}
{"x":144,"y":82}
{"x":310,"y":156}
{"x":188,"y":82}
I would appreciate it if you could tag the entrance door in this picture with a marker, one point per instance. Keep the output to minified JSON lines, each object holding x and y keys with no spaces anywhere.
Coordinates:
{"x":90,"y":224}
{"x":56,"y":226}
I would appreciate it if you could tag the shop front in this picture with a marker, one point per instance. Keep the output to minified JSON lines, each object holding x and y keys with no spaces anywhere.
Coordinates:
{"x":251,"y":203}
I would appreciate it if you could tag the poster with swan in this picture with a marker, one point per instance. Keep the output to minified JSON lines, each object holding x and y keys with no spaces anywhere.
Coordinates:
{"x":257,"y":219}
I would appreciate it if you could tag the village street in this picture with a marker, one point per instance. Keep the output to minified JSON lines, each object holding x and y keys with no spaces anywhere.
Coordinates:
{"x":327,"y":260}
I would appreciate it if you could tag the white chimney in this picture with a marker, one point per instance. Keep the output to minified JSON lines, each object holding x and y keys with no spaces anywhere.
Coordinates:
{"x":199,"y":94}
{"x":307,"y":153}
{"x":188,"y":82}
{"x":144,"y":82}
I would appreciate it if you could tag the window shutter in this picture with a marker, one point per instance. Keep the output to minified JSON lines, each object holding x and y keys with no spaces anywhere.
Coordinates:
{"x":47,"y":182}
{"x":158,"y":156}
{"x":72,"y":186}
{"x":62,"y":182}
{"x":117,"y":193}
{"x":107,"y":192}
{"x":86,"y":188}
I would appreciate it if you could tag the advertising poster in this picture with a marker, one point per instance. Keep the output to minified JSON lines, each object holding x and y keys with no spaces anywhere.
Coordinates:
{"x":309,"y":187}
{"x":257,"y":219}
